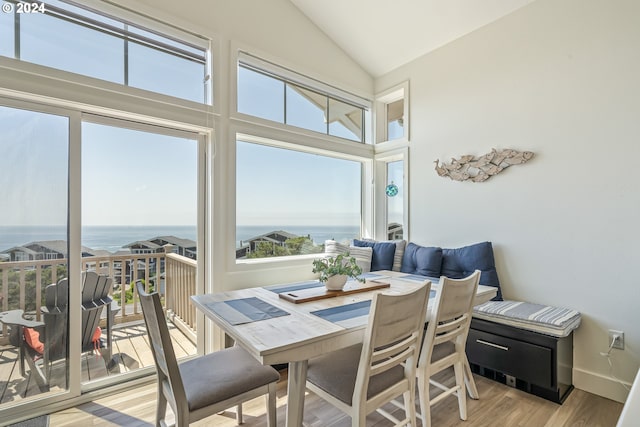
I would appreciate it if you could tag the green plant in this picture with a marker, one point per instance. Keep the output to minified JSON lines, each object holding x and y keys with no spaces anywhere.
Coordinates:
{"x":339,"y":264}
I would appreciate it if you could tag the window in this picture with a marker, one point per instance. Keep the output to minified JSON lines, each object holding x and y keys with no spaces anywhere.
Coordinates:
{"x":34,"y":177}
{"x":289,"y":202}
{"x":76,"y":39}
{"x":395,"y":119}
{"x":392,"y":112}
{"x":395,"y":200}
{"x":270,"y":92}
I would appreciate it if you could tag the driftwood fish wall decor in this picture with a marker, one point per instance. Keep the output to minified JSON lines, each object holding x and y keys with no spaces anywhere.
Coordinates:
{"x":478,"y":169}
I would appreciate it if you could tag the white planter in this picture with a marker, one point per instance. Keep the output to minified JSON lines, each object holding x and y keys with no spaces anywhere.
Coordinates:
{"x":336,"y":283}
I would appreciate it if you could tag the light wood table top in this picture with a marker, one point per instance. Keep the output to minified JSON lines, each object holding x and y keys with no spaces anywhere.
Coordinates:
{"x":300,"y":335}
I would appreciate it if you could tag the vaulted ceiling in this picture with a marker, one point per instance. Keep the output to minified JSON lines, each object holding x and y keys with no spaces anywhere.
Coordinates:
{"x":382,"y":35}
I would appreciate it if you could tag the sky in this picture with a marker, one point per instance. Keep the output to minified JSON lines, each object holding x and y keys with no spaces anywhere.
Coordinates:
{"x":141,"y":178}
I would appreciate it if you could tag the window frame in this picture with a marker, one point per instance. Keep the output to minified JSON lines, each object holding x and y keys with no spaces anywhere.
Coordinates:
{"x":382,"y":161}
{"x":290,"y":141}
{"x":277,"y":69}
{"x":145,"y":24}
{"x":382,"y":101}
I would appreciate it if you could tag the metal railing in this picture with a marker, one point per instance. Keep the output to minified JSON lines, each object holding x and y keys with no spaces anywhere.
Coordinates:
{"x":22,"y":284}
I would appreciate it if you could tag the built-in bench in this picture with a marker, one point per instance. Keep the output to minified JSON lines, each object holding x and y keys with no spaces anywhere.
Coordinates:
{"x":524,"y":345}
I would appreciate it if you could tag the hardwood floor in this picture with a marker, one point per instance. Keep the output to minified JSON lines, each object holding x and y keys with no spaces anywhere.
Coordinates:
{"x":498,"y":406}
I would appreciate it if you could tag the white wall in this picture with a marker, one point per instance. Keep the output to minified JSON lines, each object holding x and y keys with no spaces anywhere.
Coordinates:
{"x":560,"y":78}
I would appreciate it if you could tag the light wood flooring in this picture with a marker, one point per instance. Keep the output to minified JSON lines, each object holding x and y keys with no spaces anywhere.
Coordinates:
{"x":499,"y":406}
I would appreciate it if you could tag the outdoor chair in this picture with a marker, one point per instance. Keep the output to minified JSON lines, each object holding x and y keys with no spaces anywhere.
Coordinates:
{"x":360,"y":379}
{"x":444,"y":342}
{"x":48,"y":342}
{"x":206,"y":385}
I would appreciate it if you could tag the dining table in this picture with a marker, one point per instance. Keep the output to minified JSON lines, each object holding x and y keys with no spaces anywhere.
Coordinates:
{"x":295,"y":322}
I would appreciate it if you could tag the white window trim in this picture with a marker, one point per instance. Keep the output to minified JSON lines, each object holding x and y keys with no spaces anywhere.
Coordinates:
{"x":289,"y":141}
{"x":381,"y":220}
{"x":382,"y":99}
{"x":240,"y":52}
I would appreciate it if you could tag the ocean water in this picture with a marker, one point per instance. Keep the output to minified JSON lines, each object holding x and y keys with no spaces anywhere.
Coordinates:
{"x":113,"y":238}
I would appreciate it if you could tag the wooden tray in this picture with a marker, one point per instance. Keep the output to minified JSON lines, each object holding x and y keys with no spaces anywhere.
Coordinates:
{"x":314,"y":294}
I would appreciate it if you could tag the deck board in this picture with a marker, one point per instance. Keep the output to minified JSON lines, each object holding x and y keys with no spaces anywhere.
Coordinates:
{"x":130,"y":351}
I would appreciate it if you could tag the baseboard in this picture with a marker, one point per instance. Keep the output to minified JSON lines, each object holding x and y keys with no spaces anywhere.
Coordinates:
{"x":600,"y":385}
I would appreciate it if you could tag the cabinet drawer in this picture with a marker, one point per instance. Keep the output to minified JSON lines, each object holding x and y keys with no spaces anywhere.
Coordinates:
{"x":525,"y":361}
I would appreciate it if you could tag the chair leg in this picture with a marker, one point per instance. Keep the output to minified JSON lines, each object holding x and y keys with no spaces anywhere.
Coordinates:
{"x":239,"y":413}
{"x":423,"y":396}
{"x":161,"y":407}
{"x":469,"y":381}
{"x":462,"y":392}
{"x":271,"y":406}
{"x":358,"y":419}
{"x":410,"y":406}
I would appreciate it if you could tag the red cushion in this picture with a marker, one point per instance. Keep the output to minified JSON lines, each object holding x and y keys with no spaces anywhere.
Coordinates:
{"x":32,"y":337}
{"x":97,"y":334}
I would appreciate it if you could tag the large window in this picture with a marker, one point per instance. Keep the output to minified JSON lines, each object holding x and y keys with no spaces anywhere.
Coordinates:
{"x":277,"y":94}
{"x":34,"y":243}
{"x":83,"y":41}
{"x":289,"y":202}
{"x":394,"y":192}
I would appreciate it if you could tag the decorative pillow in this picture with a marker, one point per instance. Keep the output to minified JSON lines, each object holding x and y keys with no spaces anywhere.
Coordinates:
{"x":362,"y":255}
{"x":32,"y":337}
{"x":461,"y":262}
{"x":383,"y":253}
{"x":426,"y":261}
{"x":397,"y":257}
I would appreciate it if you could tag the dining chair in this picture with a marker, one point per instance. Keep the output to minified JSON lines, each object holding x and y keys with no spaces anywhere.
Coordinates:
{"x":205,"y":385}
{"x":444,"y":342}
{"x":360,"y":379}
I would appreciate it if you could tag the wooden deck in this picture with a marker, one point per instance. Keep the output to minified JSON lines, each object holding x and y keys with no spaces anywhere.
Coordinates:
{"x":130,"y":351}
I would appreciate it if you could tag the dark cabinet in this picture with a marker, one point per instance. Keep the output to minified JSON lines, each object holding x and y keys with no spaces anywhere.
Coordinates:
{"x":533,"y":362}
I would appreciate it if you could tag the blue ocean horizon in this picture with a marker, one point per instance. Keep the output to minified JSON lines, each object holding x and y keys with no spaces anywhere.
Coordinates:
{"x":113,"y":238}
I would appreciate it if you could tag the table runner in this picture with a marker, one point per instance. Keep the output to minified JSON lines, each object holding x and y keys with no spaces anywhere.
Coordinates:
{"x":419,"y":278}
{"x":344,"y":312}
{"x":245,"y":310}
{"x":292,"y":287}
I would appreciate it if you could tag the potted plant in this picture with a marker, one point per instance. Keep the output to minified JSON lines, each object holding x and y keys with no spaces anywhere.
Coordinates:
{"x":335,"y":270}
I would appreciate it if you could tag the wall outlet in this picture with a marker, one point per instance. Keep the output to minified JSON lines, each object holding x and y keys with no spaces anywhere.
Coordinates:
{"x":617,"y":337}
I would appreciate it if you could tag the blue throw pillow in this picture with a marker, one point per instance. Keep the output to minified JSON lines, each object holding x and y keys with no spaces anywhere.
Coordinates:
{"x":383,"y":252}
{"x":422,"y":260}
{"x":461,"y":262}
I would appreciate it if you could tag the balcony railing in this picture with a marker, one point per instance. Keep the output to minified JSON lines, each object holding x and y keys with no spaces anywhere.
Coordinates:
{"x":22,"y":285}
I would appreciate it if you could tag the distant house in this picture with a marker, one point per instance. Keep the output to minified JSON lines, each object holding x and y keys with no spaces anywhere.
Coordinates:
{"x":394,"y":231}
{"x":43,"y":250}
{"x":184,"y":247}
{"x":274,"y":237}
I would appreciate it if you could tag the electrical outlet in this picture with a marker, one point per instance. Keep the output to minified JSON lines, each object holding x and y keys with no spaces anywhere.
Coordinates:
{"x":619,"y":339}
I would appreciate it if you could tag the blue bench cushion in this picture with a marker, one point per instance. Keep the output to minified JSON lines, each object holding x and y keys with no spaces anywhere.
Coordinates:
{"x":544,"y":319}
{"x":426,"y":261}
{"x":453,"y":263}
{"x":383,"y":253}
{"x":461,"y":262}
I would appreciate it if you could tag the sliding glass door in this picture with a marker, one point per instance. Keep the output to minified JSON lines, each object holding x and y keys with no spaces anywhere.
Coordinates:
{"x":85,"y":201}
{"x":139,"y":223}
{"x":34,"y":248}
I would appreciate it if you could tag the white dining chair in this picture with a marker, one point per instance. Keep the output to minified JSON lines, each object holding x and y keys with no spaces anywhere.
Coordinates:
{"x":206,"y":385}
{"x":360,"y":379}
{"x":444,"y":342}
